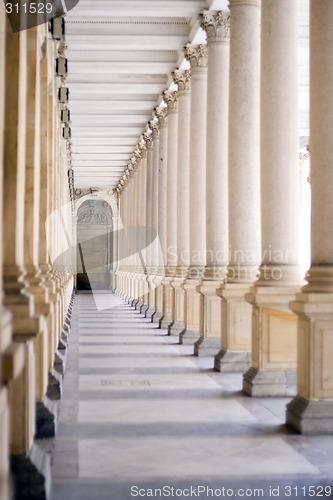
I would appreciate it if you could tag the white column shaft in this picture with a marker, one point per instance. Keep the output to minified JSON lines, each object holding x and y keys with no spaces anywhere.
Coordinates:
{"x":244,"y":105}
{"x":217,"y":154}
{"x":197,"y":209}
{"x":172,"y":188}
{"x":183,"y":235}
{"x":279,"y":133}
{"x":162,"y":190}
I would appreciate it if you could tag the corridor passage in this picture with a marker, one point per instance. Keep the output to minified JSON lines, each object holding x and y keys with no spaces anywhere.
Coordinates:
{"x":140,"y":412}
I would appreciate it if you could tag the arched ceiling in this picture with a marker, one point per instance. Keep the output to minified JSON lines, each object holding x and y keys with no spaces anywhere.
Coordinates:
{"x":120,"y":57}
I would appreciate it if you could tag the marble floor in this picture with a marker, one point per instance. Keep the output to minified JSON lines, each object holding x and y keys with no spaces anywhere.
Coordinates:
{"x":140,"y":416}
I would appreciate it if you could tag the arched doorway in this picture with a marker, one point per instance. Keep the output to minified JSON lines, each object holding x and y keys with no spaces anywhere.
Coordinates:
{"x":94,"y":245}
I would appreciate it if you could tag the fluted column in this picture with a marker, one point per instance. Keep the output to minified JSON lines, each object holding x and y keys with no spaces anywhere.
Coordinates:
{"x":154,"y":218}
{"x":274,"y":327}
{"x":197,"y":55}
{"x":171,"y":99}
{"x":161,"y":114}
{"x":244,"y":185}
{"x":217,"y":27}
{"x":311,"y":411}
{"x":183,"y":80}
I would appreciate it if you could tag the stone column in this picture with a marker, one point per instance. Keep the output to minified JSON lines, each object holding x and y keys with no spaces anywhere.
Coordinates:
{"x":217,"y":27}
{"x":161,"y":114}
{"x":171,"y":99}
{"x":6,"y":344}
{"x":132,"y":207}
{"x":197,"y":55}
{"x":142,"y":224}
{"x":274,"y":327}
{"x":135,"y":219}
{"x":311,"y":411}
{"x":244,"y":185}
{"x":22,"y":390}
{"x":148,"y":217}
{"x":183,"y":79}
{"x":154,"y":218}
{"x":33,"y":289}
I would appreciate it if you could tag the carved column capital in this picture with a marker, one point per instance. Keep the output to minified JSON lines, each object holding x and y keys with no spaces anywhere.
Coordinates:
{"x":154,"y":127}
{"x":182,"y":79}
{"x":171,"y":100}
{"x":142,"y":148}
{"x":217,"y":26}
{"x":161,"y":115}
{"x":196,"y":55}
{"x":148,"y":140}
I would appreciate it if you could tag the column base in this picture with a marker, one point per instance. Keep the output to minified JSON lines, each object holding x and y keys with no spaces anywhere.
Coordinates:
{"x":232,"y":361}
{"x":310,"y":417}
{"x":143,"y":309}
{"x":176,"y":329}
{"x":206,"y":347}
{"x":189,"y":337}
{"x":46,"y":419}
{"x":138,"y":305}
{"x":150,"y":313}
{"x":158,"y":317}
{"x":166,"y":322}
{"x":135,"y":303}
{"x":31,"y":475}
{"x":269,"y":383}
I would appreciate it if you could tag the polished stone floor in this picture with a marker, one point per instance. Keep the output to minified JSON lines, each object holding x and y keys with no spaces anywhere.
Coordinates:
{"x":140,"y":413}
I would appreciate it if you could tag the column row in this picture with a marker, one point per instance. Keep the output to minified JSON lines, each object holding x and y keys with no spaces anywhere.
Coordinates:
{"x":222,"y":259}
{"x":36,"y":275}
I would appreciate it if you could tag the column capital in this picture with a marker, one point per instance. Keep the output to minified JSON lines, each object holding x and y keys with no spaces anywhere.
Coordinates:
{"x":161,"y":115}
{"x":171,"y":100}
{"x":196,"y":55}
{"x":148,"y":140}
{"x":142,"y":147}
{"x":182,"y":79}
{"x":154,"y":127}
{"x":217,"y":25}
{"x":255,"y":3}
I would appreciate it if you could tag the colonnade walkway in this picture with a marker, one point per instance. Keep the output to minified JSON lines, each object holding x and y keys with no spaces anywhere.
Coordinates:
{"x":140,"y":411}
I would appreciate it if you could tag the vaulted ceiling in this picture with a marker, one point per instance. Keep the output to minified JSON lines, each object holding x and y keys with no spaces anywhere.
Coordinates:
{"x":120,"y":57}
